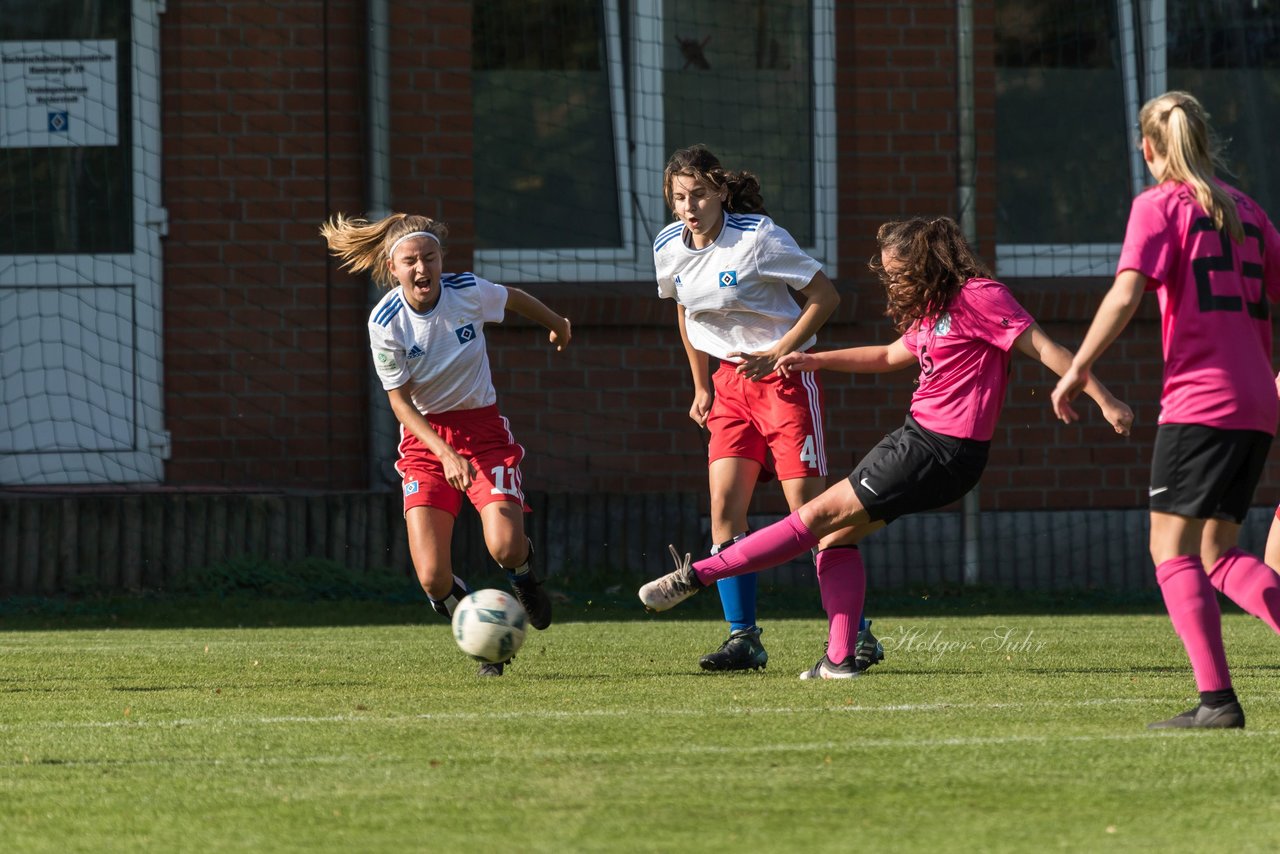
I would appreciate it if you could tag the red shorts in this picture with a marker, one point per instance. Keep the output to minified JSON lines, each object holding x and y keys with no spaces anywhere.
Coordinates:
{"x":479,"y":435}
{"x":776,"y":421}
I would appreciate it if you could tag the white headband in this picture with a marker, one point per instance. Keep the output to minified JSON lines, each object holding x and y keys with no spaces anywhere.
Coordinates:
{"x":402,"y":238}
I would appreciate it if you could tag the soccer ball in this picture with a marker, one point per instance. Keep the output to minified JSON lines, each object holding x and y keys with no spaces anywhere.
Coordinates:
{"x":489,"y":625}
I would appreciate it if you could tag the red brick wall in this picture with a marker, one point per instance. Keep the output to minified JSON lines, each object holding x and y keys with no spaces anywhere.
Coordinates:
{"x":264,"y":352}
{"x":432,"y":163}
{"x":610,"y":413}
{"x":266,"y":374}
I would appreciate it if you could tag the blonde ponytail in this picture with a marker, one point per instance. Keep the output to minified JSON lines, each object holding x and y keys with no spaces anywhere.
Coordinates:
{"x":1178,"y":128}
{"x":364,"y":246}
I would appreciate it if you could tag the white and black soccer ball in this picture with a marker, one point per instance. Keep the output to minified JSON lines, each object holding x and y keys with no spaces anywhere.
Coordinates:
{"x":489,"y":625}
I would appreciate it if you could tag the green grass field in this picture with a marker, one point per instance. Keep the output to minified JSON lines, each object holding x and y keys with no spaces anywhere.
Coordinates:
{"x":1002,"y":732}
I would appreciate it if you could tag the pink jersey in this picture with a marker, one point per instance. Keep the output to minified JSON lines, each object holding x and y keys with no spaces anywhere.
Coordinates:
{"x":964,"y":360}
{"x":1214,"y":307}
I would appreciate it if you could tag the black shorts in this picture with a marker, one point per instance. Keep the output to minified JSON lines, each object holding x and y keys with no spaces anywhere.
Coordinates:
{"x":1206,"y":473}
{"x":913,"y":469}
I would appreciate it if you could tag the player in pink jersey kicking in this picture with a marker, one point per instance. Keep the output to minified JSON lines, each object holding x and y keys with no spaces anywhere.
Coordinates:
{"x":1213,"y":259}
{"x":427,"y":338}
{"x":733,"y":273}
{"x":958,"y":326}
{"x":1272,"y":553}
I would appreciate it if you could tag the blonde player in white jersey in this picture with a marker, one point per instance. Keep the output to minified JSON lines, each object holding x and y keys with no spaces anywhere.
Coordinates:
{"x":732,"y":272}
{"x":427,"y":337}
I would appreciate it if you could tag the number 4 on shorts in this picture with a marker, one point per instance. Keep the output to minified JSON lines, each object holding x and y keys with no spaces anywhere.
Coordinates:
{"x":809,"y":453}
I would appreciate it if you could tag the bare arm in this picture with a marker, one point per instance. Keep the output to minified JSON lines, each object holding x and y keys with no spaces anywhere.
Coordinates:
{"x":1114,"y":314}
{"x":820,"y":300}
{"x":854,"y":360}
{"x":527,"y":305}
{"x":1034,"y":342}
{"x":457,"y":470}
{"x":700,"y":367}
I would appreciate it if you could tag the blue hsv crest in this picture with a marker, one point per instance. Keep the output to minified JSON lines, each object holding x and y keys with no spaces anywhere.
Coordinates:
{"x":465,"y":333}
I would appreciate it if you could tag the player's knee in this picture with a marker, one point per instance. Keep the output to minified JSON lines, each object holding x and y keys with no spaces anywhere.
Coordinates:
{"x":510,"y":553}
{"x":435,"y":582}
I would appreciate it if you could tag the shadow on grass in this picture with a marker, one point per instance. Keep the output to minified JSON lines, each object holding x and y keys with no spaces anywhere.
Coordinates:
{"x":244,"y":608}
{"x":313,"y":592}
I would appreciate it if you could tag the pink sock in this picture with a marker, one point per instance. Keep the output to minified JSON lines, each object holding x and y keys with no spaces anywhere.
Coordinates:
{"x":842,"y":581}
{"x":1193,"y":609}
{"x":1249,"y":583}
{"x":762,"y":549}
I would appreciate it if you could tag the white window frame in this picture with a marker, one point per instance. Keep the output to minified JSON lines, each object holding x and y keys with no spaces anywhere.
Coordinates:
{"x":641,"y":206}
{"x":136,"y":274}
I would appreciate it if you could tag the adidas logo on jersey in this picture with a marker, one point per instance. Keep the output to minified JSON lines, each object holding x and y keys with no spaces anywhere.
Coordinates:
{"x":415,"y":352}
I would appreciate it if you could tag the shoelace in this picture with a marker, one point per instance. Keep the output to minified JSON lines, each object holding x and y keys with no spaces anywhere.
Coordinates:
{"x":682,"y":563}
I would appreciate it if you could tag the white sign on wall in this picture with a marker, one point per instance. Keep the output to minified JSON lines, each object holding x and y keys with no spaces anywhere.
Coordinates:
{"x":55,"y":94}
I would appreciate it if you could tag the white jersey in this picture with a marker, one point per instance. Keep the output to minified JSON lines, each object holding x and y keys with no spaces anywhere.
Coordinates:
{"x":440,"y":354}
{"x":733,"y":290}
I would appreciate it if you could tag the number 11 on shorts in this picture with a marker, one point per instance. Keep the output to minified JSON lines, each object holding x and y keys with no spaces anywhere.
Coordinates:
{"x":505,"y":481}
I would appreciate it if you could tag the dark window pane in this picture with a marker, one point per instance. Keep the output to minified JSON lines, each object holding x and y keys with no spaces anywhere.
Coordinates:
{"x":1228,"y":56}
{"x":1062,"y":157}
{"x":742,"y":84}
{"x":72,"y":199}
{"x":546,"y":174}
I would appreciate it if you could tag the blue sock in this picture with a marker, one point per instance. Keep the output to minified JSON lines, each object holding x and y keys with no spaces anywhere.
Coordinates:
{"x":738,"y":596}
{"x":863,"y":623}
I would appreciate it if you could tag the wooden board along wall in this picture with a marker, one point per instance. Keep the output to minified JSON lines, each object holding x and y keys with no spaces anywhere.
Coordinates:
{"x":78,"y":543}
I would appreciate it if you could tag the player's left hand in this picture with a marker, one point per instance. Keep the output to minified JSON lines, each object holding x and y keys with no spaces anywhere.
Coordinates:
{"x":795,"y":363}
{"x":560,"y":337}
{"x":1118,"y":415}
{"x":1071,"y":384}
{"x":755,"y":366}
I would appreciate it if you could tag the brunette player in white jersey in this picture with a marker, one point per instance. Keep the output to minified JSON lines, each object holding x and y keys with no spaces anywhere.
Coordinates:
{"x":732,"y":272}
{"x":427,"y":337}
{"x":1213,"y":259}
{"x":958,"y":327}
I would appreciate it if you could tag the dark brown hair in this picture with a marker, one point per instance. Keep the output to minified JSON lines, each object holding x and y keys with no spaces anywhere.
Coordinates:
{"x":698,"y":162}
{"x":936,"y":262}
